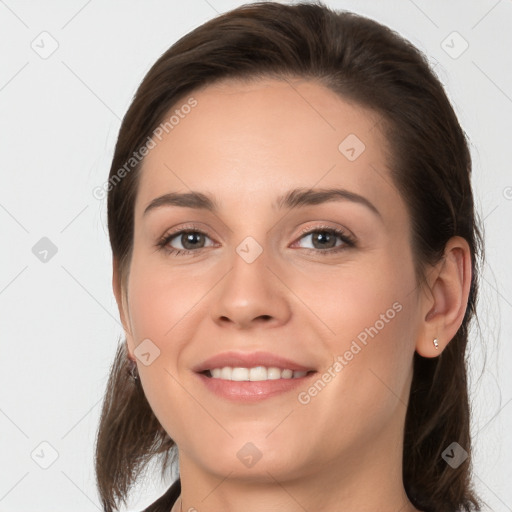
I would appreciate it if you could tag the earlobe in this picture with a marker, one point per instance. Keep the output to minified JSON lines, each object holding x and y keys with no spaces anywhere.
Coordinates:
{"x":447,"y":303}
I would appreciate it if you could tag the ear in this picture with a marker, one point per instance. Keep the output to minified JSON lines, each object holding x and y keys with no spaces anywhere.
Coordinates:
{"x":122,"y":305}
{"x":444,"y":308}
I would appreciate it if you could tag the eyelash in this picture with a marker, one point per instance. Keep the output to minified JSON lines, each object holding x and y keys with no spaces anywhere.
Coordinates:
{"x":348,"y":240}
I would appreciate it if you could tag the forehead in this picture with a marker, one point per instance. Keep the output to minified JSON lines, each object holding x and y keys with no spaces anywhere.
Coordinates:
{"x":248,"y":142}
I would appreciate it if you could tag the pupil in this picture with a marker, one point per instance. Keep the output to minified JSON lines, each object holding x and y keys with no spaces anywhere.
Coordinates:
{"x":325,"y":237}
{"x":189,"y":237}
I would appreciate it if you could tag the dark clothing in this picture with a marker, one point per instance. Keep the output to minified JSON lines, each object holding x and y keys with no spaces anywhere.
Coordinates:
{"x":167,"y":500}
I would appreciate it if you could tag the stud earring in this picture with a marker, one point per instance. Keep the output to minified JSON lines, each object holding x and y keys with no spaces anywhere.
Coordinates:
{"x":132,"y":369}
{"x":436,"y":344}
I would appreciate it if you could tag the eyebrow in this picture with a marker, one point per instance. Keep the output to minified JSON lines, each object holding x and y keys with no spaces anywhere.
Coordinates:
{"x":295,"y":198}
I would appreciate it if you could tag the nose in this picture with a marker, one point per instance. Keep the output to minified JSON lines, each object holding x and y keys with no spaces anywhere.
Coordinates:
{"x":251,"y":294}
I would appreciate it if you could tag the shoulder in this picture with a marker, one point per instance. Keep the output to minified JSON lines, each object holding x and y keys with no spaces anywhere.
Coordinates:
{"x":167,"y":500}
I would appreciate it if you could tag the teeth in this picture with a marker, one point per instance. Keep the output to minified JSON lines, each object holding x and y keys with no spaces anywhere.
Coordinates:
{"x":257,"y":373}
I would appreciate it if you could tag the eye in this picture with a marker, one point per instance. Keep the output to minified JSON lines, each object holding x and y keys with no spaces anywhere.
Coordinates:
{"x":324,"y":239}
{"x":190,"y":240}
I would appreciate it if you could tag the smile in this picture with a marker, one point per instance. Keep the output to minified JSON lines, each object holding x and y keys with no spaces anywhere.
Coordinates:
{"x":257,"y":373}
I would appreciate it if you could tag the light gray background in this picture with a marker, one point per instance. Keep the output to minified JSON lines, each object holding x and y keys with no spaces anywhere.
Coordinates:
{"x":59,"y":121}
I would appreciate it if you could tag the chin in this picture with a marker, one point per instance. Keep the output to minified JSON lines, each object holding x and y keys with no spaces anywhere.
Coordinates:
{"x":252,"y":458}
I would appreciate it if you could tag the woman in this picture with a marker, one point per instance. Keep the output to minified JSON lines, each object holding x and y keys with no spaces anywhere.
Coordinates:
{"x":295,"y":263}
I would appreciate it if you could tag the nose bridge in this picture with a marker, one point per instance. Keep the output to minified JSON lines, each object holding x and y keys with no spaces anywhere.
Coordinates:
{"x":250,"y":250}
{"x":249,"y":275}
{"x":254,"y":239}
{"x":250,"y":290}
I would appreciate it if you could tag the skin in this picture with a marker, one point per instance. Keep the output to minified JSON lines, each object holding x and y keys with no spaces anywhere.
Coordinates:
{"x":246,"y":144}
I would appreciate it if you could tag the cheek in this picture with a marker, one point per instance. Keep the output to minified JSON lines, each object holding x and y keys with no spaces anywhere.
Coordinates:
{"x":160,"y":301}
{"x":369,"y":379}
{"x":352,"y":301}
{"x":161,"y":306}
{"x":370,"y":315}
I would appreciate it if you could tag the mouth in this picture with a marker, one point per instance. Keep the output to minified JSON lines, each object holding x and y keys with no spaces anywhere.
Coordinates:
{"x":254,"y":374}
{"x":250,"y":377}
{"x":261,"y":365}
{"x":238,"y":387}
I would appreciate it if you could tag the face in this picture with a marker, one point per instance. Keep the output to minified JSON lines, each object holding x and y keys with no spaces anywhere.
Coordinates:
{"x":259,"y":277}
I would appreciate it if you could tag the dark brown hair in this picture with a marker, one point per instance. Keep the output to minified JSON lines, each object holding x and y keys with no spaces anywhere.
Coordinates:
{"x":374,"y":67}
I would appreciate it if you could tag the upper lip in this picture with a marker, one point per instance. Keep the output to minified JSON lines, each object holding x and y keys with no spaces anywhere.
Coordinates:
{"x":249,"y":360}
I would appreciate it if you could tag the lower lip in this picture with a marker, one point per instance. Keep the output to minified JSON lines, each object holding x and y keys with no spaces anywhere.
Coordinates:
{"x":251,"y":391}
